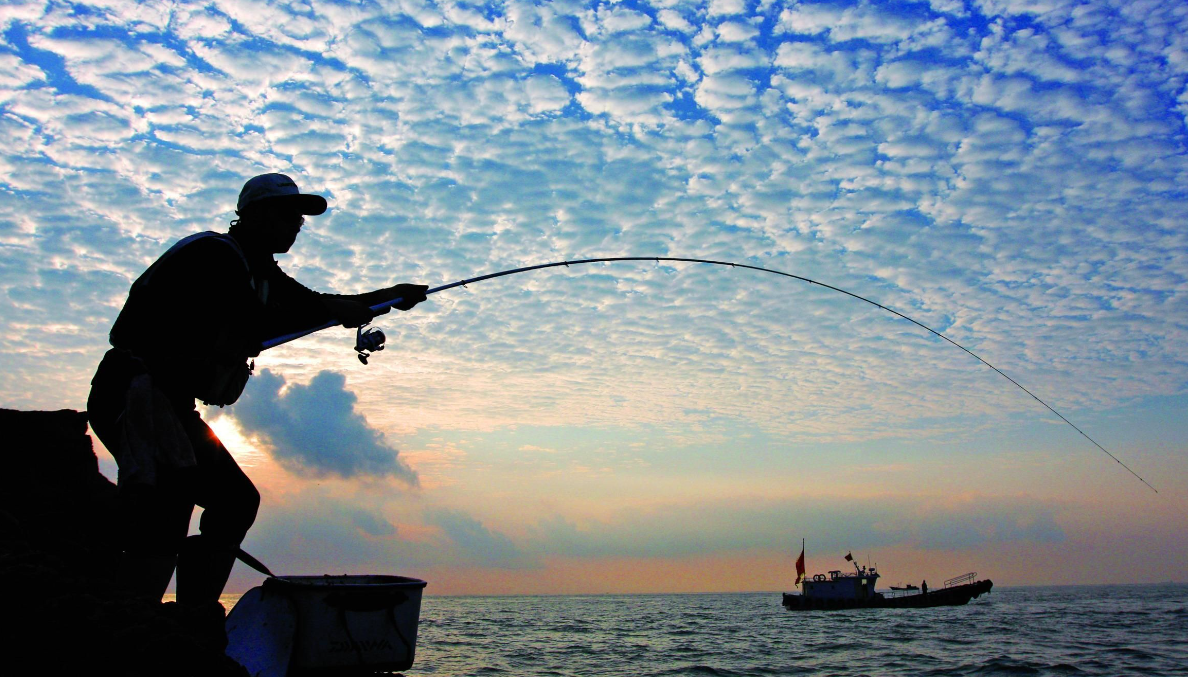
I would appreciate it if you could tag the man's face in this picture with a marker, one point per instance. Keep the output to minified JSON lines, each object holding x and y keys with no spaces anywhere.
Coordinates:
{"x":282,"y":225}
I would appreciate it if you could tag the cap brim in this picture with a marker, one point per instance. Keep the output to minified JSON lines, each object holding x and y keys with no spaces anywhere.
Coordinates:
{"x":311,"y":205}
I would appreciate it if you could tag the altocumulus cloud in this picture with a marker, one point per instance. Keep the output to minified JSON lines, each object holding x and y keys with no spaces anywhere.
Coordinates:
{"x":315,"y":429}
{"x":1010,"y":172}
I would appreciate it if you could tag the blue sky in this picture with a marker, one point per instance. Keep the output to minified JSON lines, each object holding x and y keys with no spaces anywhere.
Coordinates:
{"x":1010,"y":173}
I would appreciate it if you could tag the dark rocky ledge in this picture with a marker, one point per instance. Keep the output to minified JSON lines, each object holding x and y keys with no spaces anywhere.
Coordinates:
{"x":57,"y":554}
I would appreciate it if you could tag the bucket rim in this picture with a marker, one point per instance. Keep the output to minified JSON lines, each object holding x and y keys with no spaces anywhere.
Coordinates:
{"x":356,"y":581}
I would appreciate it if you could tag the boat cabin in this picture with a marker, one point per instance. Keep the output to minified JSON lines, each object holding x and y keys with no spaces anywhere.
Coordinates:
{"x":859,"y":585}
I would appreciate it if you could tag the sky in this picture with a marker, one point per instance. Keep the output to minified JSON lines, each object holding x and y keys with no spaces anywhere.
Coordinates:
{"x":1012,"y":174}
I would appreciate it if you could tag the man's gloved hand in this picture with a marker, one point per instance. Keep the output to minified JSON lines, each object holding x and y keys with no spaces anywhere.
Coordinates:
{"x":409,"y":294}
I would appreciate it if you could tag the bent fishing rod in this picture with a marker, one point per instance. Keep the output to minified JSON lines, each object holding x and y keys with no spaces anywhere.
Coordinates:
{"x":368,"y":340}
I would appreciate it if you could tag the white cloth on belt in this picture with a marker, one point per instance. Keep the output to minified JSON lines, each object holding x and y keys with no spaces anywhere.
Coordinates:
{"x":153,"y":436}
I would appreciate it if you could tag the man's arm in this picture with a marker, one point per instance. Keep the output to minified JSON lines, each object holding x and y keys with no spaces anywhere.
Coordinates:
{"x":355,"y":309}
{"x":295,"y":306}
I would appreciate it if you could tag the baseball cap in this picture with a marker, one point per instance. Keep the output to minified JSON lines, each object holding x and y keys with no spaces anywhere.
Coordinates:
{"x":278,"y":187}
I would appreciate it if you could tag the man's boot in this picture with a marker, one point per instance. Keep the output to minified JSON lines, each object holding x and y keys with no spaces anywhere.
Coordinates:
{"x":202,"y":571}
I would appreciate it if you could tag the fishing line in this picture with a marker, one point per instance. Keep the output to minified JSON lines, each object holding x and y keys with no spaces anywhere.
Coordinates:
{"x":556,"y":264}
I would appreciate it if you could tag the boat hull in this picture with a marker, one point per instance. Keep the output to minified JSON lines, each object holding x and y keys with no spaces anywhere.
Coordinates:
{"x":954,"y":596}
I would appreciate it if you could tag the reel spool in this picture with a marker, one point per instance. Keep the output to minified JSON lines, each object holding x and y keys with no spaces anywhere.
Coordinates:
{"x":368,"y":340}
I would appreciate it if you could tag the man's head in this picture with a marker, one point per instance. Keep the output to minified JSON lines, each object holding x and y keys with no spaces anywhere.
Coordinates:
{"x":271,"y":210}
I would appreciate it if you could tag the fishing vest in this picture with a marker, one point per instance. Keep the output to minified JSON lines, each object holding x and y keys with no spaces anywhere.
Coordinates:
{"x":222,"y":380}
{"x":260,"y":288}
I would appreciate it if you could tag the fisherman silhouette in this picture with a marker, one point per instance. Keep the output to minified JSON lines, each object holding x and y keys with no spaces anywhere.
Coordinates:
{"x":190,"y":325}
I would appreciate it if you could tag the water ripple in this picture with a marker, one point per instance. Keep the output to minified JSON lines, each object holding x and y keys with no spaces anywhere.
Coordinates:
{"x":1072,"y":630}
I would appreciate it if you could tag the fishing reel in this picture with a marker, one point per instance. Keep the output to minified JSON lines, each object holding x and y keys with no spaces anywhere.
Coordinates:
{"x":368,"y":340}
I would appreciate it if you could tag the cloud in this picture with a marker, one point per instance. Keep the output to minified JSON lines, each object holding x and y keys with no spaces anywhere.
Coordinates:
{"x":619,"y":20}
{"x":725,"y":59}
{"x":863,"y":22}
{"x":1010,"y":172}
{"x":726,"y":7}
{"x":315,"y":429}
{"x":372,"y":524}
{"x":683,"y":530}
{"x":475,"y":542}
{"x":908,"y":154}
{"x":1000,"y":524}
{"x":544,"y":32}
{"x":311,"y":531}
{"x":736,"y":31}
{"x":674,"y":20}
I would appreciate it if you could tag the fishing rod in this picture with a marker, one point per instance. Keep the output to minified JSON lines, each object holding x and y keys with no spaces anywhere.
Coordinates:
{"x":371,"y":339}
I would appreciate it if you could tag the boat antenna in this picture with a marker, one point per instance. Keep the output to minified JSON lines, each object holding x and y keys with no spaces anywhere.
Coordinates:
{"x":271,"y":343}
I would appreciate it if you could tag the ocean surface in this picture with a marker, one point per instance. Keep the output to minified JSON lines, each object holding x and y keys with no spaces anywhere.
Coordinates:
{"x":1065,"y":630}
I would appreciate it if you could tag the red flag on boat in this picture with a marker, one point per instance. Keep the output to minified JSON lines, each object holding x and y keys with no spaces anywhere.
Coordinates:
{"x":800,"y":566}
{"x":849,"y":557}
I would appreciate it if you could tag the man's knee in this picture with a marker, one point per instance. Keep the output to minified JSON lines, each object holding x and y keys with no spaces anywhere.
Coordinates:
{"x":239,"y":509}
{"x":229,"y":518}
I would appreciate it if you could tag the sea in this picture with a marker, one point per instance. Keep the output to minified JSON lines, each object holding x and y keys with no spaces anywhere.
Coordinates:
{"x":1059,"y":630}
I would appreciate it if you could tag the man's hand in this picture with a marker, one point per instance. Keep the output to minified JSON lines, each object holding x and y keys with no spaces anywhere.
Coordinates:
{"x":409,"y":295}
{"x":348,"y":311}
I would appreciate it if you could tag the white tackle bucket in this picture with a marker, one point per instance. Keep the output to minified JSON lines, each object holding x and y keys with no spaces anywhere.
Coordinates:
{"x":341,"y":625}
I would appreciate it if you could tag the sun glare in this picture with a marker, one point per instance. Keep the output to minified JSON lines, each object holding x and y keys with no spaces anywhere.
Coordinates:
{"x":242,"y":448}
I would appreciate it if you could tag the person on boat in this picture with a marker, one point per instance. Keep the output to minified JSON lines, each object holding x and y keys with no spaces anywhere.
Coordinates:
{"x":923,"y":587}
{"x":190,"y":325}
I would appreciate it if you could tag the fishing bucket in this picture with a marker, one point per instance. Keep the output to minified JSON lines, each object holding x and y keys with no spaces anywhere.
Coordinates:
{"x":341,"y":625}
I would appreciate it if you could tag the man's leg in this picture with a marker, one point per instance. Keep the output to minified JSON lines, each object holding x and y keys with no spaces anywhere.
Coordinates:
{"x":230,"y":502}
{"x":152,"y":520}
{"x":155,"y":524}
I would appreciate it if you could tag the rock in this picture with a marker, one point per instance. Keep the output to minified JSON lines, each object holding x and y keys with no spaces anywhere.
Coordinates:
{"x":57,"y":552}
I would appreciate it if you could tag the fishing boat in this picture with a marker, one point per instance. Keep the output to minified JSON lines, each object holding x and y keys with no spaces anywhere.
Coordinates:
{"x":844,"y":590}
